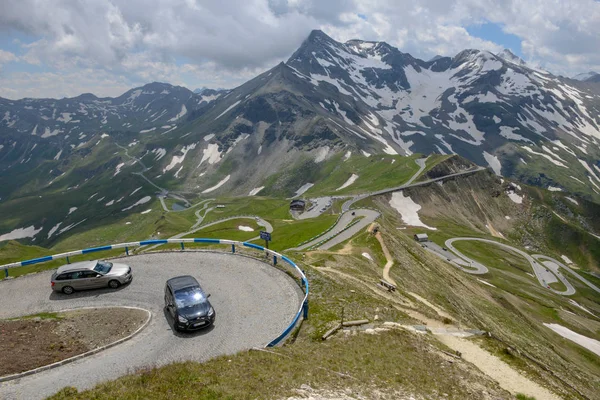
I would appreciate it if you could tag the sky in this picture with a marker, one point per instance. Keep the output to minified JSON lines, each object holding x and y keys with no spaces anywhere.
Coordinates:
{"x":62,"y":48}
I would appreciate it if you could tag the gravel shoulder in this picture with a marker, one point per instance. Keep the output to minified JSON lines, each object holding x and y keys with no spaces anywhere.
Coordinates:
{"x":35,"y":341}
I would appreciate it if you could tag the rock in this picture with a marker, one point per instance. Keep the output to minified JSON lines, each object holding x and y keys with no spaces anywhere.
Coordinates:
{"x":306,"y":387}
{"x":376,"y":318}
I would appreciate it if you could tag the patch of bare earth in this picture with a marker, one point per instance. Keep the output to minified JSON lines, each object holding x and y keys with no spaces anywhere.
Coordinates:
{"x":31,"y":342}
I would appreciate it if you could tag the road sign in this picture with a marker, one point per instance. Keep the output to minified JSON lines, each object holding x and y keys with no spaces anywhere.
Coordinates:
{"x":265,"y":236}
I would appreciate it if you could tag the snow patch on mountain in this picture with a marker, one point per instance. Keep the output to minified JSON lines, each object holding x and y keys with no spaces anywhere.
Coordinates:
{"x":589,"y":170}
{"x":72,"y":210}
{"x":322,"y":154}
{"x":21,"y":233}
{"x":515,"y":197}
{"x":493,"y":162}
{"x":509,"y":133}
{"x":180,"y":114}
{"x":179,"y":159}
{"x":303,"y":189}
{"x":159,"y":153}
{"x":68,"y":228}
{"x":408,"y":210}
{"x":228,"y":109}
{"x":349,"y":182}
{"x":141,"y":201}
{"x":572,"y":200}
{"x":592,"y":345}
{"x":211,"y":154}
{"x":57,"y":156}
{"x":546,"y":156}
{"x":65,"y":117}
{"x":208,"y":137}
{"x":347,"y":155}
{"x":255,"y":191}
{"x":48,"y":133}
{"x":53,"y":229}
{"x":218,"y":185}
{"x":118,"y":168}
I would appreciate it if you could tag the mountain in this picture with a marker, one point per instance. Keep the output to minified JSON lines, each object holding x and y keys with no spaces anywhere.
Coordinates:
{"x":588,"y":77}
{"x":274,"y":133}
{"x":508,"y":55}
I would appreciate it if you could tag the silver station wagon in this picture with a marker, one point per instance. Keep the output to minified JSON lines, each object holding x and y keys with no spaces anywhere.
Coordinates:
{"x":90,"y":275}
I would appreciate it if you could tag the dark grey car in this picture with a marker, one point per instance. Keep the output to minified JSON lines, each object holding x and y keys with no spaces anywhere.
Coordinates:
{"x":187,"y":304}
{"x":90,"y":275}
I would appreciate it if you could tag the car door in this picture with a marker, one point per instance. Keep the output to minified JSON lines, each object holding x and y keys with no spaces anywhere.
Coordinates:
{"x":169,"y":302}
{"x":76,"y":280}
{"x":94,"y":279}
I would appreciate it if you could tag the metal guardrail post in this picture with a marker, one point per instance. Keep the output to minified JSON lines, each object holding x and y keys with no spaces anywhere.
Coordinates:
{"x":68,"y":261}
{"x":127,"y":250}
{"x":305,"y":309}
{"x":274,"y":260}
{"x":6,"y":272}
{"x":233,"y":248}
{"x":182,"y":246}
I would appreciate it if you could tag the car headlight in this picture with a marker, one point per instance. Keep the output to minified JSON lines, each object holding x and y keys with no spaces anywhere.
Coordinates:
{"x":182,"y":319}
{"x":211,"y":312}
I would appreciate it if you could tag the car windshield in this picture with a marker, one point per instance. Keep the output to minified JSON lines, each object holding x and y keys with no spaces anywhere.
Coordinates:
{"x":103,"y":267}
{"x":189,"y":297}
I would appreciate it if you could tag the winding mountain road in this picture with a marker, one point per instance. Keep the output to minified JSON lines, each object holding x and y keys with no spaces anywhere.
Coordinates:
{"x":254,"y":303}
{"x":340,"y":232}
{"x":542,"y":272}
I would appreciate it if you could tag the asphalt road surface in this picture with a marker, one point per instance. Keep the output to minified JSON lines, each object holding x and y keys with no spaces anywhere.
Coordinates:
{"x":565,"y":267}
{"x":320,"y":205}
{"x":254,"y":303}
{"x":337,"y":234}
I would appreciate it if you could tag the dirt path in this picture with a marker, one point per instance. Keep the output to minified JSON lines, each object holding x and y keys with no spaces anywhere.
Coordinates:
{"x":497,"y":369}
{"x":389,"y":260}
{"x":449,"y":334}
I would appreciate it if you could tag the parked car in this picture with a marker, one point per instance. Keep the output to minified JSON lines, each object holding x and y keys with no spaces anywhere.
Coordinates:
{"x":90,"y":275}
{"x":187,"y":304}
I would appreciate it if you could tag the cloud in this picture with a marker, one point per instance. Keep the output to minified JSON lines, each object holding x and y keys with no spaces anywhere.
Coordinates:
{"x":6,"y":57}
{"x":203,"y":42}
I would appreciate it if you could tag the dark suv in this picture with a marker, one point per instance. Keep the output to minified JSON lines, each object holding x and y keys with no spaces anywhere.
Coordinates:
{"x":187,"y":304}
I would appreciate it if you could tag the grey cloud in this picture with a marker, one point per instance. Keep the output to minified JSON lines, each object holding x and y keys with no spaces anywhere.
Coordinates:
{"x":230,"y":40}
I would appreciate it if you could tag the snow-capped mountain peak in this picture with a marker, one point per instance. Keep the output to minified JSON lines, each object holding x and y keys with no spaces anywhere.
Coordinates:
{"x":588,"y":77}
{"x":509,"y":56}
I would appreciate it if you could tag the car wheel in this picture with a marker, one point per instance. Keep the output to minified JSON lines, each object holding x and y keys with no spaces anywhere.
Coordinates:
{"x":114,"y":284}
{"x":68,"y":290}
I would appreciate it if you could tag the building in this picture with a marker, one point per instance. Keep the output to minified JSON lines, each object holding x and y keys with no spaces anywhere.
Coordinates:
{"x":421,"y":237}
{"x":297,"y":205}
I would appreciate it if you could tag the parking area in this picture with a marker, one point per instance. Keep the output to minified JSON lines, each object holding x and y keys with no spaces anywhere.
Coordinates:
{"x":254,"y":303}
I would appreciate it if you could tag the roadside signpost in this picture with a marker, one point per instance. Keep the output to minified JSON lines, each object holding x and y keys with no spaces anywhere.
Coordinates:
{"x":266,"y":236}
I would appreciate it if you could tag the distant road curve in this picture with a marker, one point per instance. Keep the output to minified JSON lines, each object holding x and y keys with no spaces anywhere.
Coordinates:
{"x":542,"y":273}
{"x":346,"y":206}
{"x":337,"y":234}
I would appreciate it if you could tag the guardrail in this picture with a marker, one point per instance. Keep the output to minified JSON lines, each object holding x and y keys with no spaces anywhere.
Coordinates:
{"x":302,"y":311}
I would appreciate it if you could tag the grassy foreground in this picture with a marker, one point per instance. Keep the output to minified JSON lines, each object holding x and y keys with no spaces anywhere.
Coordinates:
{"x":396,"y":360}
